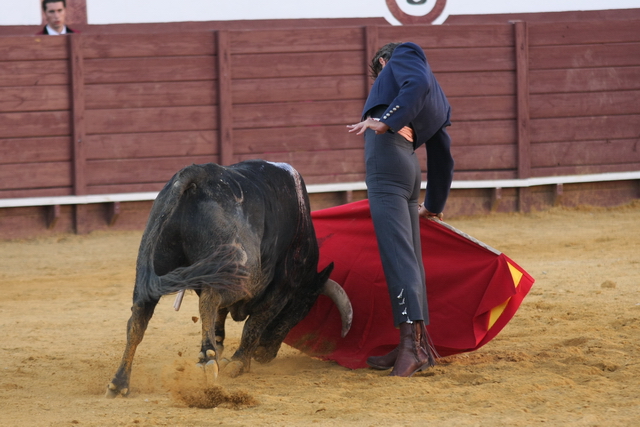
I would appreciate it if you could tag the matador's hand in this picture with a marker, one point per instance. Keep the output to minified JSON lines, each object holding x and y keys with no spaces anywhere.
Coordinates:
{"x":370,"y":123}
{"x":423,"y":212}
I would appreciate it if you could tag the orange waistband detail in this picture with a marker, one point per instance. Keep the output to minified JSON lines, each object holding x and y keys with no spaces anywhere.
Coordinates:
{"x":407,"y":133}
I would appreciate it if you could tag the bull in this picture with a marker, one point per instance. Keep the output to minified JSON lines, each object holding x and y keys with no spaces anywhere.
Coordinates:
{"x":242,"y":238}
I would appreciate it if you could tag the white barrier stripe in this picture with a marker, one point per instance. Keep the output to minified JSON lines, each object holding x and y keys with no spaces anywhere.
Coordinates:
{"x":328,"y":188}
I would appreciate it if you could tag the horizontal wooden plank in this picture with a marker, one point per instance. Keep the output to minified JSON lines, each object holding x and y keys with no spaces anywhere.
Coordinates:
{"x":313,"y":88}
{"x":160,"y":119}
{"x":130,"y":171}
{"x":146,"y":95}
{"x":34,"y":150}
{"x":584,"y":79}
{"x":483,"y":107}
{"x":484,"y":157}
{"x":585,"y":169}
{"x":297,"y":40}
{"x":585,"y":104}
{"x":479,"y":83}
{"x":576,"y":153}
{"x":133,"y":70}
{"x":288,"y":114}
{"x":36,"y":192}
{"x":585,"y":128}
{"x":289,"y":139}
{"x":318,"y":163}
{"x":141,"y":45}
{"x":32,"y":124}
{"x":34,"y":98}
{"x":35,"y":175}
{"x":32,"y":73}
{"x":448,"y":36}
{"x":471,"y":59}
{"x":584,"y":56}
{"x":483,"y":132}
{"x":332,"y":179}
{"x":463,"y":175}
{"x":269,"y":65}
{"x":603,"y":31}
{"x":151,"y":144}
{"x":126,"y":188}
{"x":29,"y":48}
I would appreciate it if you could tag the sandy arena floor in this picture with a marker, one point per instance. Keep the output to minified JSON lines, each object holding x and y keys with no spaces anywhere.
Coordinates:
{"x":570,"y":356}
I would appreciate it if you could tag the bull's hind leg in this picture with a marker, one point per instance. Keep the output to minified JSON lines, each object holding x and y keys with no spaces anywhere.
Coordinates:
{"x":219,"y":329}
{"x":212,"y":323}
{"x":136,"y":327}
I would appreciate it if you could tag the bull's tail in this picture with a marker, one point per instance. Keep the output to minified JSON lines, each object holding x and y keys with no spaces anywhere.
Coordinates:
{"x":224,"y":269}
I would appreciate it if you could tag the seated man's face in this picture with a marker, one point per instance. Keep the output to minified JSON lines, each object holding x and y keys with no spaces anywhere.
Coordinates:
{"x":56,"y":15}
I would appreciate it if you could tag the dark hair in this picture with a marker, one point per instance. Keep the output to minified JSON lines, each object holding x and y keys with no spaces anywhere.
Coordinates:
{"x":385,"y":53}
{"x":44,"y":3}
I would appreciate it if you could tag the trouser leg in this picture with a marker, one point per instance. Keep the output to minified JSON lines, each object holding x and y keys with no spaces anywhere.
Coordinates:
{"x":393,"y":182}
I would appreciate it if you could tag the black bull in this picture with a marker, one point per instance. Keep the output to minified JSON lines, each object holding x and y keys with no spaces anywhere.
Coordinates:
{"x":242,"y":238}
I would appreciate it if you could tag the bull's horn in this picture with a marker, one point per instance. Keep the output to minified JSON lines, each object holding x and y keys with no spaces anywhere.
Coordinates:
{"x":334,"y":291}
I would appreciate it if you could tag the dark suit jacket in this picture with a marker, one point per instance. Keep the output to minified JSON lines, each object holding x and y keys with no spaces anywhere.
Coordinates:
{"x":412,"y":96}
{"x":411,"y":92}
{"x":45,"y":32}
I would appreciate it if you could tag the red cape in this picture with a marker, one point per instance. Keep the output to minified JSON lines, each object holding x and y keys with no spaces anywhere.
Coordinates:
{"x":473,"y":290}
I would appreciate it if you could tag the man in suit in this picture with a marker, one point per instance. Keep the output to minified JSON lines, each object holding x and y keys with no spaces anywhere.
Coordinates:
{"x":406,"y":108}
{"x":55,"y":13}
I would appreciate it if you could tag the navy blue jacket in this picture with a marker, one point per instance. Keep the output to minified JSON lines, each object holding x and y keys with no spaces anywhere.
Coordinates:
{"x":413,"y":97}
{"x":411,"y":92}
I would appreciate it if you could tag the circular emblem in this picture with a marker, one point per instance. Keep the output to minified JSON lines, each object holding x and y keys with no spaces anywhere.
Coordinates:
{"x":407,"y":19}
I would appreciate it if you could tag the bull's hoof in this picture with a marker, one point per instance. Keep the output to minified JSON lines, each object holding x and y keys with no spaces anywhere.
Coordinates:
{"x":223,"y":363}
{"x":204,"y":358}
{"x":233,"y":368}
{"x":211,"y":370}
{"x":219,"y":345}
{"x":113,"y":391}
{"x":209,"y":365}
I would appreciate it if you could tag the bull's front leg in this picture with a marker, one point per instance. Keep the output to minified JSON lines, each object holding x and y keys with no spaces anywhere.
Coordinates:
{"x":136,"y":327}
{"x":209,"y":315}
{"x":253,"y":330}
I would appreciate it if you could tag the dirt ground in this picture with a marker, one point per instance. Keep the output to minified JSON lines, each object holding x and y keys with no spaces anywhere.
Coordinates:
{"x":570,"y":356}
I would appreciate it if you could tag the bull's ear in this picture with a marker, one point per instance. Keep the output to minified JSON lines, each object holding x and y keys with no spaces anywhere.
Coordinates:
{"x":340,"y":298}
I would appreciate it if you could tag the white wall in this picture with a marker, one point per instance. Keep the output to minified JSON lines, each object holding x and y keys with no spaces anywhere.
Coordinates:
{"x":128,"y":11}
{"x":27,"y":12}
{"x":477,"y":7}
{"x":23,"y":12}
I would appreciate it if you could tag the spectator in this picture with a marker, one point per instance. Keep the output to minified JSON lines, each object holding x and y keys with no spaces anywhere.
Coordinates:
{"x":55,"y":13}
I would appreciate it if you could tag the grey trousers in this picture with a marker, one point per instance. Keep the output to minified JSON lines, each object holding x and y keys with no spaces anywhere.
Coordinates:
{"x":393,"y":184}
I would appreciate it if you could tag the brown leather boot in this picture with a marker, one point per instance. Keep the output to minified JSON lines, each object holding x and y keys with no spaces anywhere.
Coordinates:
{"x":383,"y":362}
{"x":414,"y":352}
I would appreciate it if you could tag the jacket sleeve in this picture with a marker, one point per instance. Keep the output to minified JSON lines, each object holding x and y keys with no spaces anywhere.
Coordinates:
{"x":440,"y":165}
{"x":408,"y":68}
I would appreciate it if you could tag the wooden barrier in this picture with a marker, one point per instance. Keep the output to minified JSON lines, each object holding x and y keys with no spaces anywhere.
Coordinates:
{"x":96,"y":114}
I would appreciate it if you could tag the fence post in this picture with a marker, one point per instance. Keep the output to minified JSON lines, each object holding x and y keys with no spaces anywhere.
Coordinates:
{"x":371,"y":47}
{"x":225,"y":101}
{"x":77,"y":110}
{"x":523,"y":123}
{"x":78,"y":131}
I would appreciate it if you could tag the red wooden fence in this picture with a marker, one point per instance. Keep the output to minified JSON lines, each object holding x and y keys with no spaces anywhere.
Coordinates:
{"x":117,"y":113}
